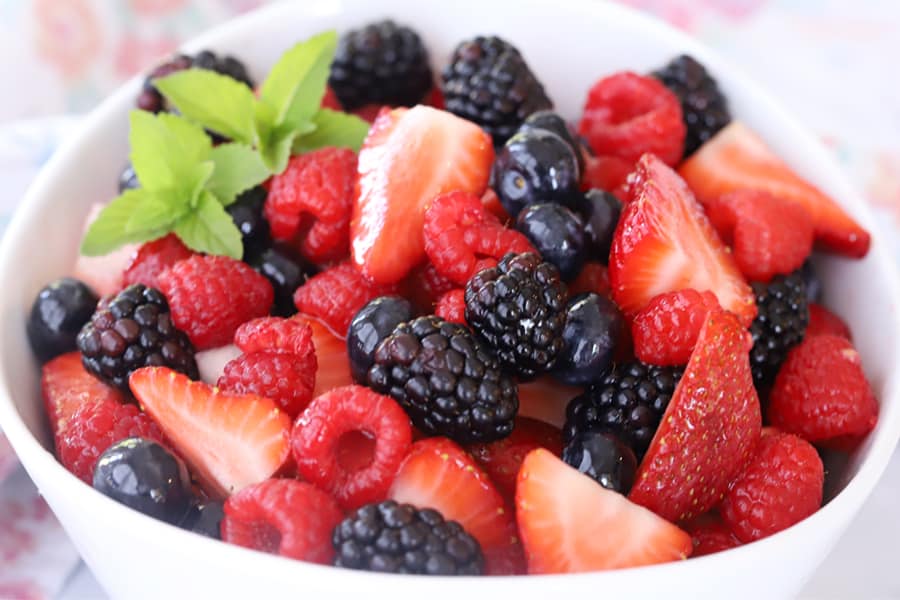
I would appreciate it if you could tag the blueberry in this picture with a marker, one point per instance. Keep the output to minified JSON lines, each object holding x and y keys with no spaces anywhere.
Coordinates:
{"x":814,"y":288}
{"x":146,"y":477}
{"x":601,"y":211}
{"x":286,"y":271}
{"x":374,"y":322}
{"x":247,"y":213}
{"x":205,"y":519}
{"x":534,"y":167}
{"x":558,"y":235}
{"x":604,"y":458}
{"x":128,"y":179}
{"x":593,"y":327}
{"x":551,"y":121}
{"x":57,"y":315}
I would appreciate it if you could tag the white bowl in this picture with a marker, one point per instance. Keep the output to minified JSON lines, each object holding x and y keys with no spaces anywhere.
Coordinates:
{"x":569,"y":43}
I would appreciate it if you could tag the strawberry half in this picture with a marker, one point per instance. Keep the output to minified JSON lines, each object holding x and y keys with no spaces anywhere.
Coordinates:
{"x":331,"y":356}
{"x":409,"y":157}
{"x":66,"y":386}
{"x":709,"y":430}
{"x":736,"y":158}
{"x":229,"y":441}
{"x":664,"y":242}
{"x":571,"y":524}
{"x":439,"y":474}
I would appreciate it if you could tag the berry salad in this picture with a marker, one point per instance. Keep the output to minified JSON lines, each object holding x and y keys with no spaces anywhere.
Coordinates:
{"x":374,"y":315}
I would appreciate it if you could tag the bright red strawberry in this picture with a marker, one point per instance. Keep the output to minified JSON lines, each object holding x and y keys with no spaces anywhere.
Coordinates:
{"x":229,"y":441}
{"x":284,"y":517}
{"x":153,"y":258}
{"x":608,"y":173}
{"x":66,"y":386}
{"x":710,"y":534}
{"x":571,"y":524}
{"x":666,"y":330}
{"x":452,"y":306}
{"x":824,"y":322}
{"x":331,"y":356}
{"x":821,"y":392}
{"x":736,"y":158}
{"x":424,"y":286}
{"x":593,"y":278}
{"x":664,"y":242}
{"x":628,"y":115}
{"x":319,"y":433}
{"x":211,"y":296}
{"x":288,"y":379}
{"x":545,"y":399}
{"x":274,"y":334}
{"x":409,"y":157}
{"x":709,"y":430}
{"x":439,"y":474}
{"x":781,"y":486}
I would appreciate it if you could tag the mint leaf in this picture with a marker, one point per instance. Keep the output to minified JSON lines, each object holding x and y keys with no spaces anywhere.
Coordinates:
{"x":276,"y":152}
{"x":110,"y":229}
{"x":163,"y":147}
{"x":152,"y":214}
{"x":237,"y":168}
{"x":210,"y":229}
{"x":216,"y":101}
{"x":333,"y":128}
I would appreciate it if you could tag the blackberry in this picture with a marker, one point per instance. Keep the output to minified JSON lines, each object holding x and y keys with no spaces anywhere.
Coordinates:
{"x":704,"y":108}
{"x":488,"y":82}
{"x":398,"y":538}
{"x":629,"y":403}
{"x":518,"y":308}
{"x":151,"y":100}
{"x":447,"y":381}
{"x":382,"y":63}
{"x":134,"y":330}
{"x":781,"y":320}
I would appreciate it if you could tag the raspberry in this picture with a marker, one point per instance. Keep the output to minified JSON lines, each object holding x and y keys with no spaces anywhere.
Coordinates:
{"x":665,"y":331}
{"x":339,"y":416}
{"x":336,"y":295}
{"x":710,"y":534}
{"x":608,"y":173}
{"x":824,"y":322}
{"x":781,"y":486}
{"x":286,"y":378}
{"x":452,"y":306}
{"x":821,"y":392}
{"x":210,"y":296}
{"x":318,"y":185}
{"x":152,"y":259}
{"x":462,"y":237}
{"x":627,"y":115}
{"x":285,"y":517}
{"x":275,"y":335}
{"x":424,"y":287}
{"x":592,"y":279}
{"x":94,"y":427}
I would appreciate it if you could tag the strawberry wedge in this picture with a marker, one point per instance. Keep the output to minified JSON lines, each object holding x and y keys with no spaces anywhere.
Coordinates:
{"x":736,"y":158}
{"x":66,"y":386}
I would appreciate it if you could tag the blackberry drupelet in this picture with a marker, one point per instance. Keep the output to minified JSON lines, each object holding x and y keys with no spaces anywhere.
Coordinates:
{"x":398,"y":538}
{"x":134,"y":330}
{"x":382,"y":63}
{"x":151,"y":100}
{"x":447,"y":381}
{"x":780,"y":323}
{"x":489,"y":83}
{"x":518,"y":308}
{"x":629,"y":402}
{"x":704,"y":108}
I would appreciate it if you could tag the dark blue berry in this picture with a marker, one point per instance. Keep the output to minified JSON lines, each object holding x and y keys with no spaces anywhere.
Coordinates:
{"x":128,"y":179}
{"x":601,"y":211}
{"x":557,"y":234}
{"x":247,"y":213}
{"x":374,"y":322}
{"x":205,"y":519}
{"x":604,"y":458}
{"x":57,"y":315}
{"x":286,"y":271}
{"x":146,"y":477}
{"x":551,"y":121}
{"x":814,"y":287}
{"x":593,"y":327}
{"x":534,"y":167}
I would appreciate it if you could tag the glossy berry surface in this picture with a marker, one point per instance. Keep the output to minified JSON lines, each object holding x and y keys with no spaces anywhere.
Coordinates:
{"x":205,"y":519}
{"x":600,"y":211}
{"x":128,"y":179}
{"x":591,"y":332}
{"x":557,"y":234}
{"x":247,"y":214}
{"x":57,"y":315}
{"x":286,"y":271}
{"x":374,"y":322}
{"x":554,"y":123}
{"x":604,"y":458}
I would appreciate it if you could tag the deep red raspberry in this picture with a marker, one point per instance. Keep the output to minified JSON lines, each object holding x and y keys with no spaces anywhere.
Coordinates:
{"x":781,"y":486}
{"x":665,"y":331}
{"x":153,"y":258}
{"x":313,"y":199}
{"x":593,"y":278}
{"x":452,"y":306}
{"x":608,"y":173}
{"x":339,"y":416}
{"x":210,"y":296}
{"x":824,"y":322}
{"x":274,"y":334}
{"x":336,"y":294}
{"x":710,"y":534}
{"x":288,"y":379}
{"x":821,"y":392}
{"x":330,"y":100}
{"x":462,"y":237}
{"x":424,"y":286}
{"x":491,"y":202}
{"x":628,"y":115}
{"x":369,"y":112}
{"x":95,"y":427}
{"x":285,"y":517}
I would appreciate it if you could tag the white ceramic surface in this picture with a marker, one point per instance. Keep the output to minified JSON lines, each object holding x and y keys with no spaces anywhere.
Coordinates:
{"x":569,"y":43}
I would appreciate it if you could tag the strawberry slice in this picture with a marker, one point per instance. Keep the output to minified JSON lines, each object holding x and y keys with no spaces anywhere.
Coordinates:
{"x":439,"y":474}
{"x":736,"y":158}
{"x":331,"y":356}
{"x":664,"y":243}
{"x":229,"y":441}
{"x":409,"y":157}
{"x":571,"y":524}
{"x":66,"y":386}
{"x":709,"y":430}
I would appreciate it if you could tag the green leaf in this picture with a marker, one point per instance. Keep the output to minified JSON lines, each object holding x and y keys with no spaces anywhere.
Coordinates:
{"x":237,"y":168}
{"x":216,"y":101}
{"x":277,"y":151}
{"x":153,"y":213}
{"x":164,"y":147}
{"x":333,"y":128}
{"x":296,"y":84}
{"x":210,"y":229}
{"x":110,"y":229}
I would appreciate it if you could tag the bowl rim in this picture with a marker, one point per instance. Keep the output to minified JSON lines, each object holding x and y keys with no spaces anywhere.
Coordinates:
{"x":35,"y":457}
